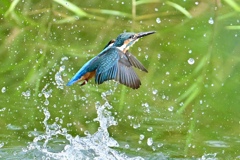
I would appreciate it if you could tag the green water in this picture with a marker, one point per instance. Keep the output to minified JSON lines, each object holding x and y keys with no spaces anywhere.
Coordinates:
{"x":187,"y":105}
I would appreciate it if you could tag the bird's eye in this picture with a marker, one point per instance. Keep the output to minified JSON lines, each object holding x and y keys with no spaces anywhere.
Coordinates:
{"x":131,"y":36}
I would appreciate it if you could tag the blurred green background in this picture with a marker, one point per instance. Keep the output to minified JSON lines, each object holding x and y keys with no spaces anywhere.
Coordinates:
{"x":187,"y":105}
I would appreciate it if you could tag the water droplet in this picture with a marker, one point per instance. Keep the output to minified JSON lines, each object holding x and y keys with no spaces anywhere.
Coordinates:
{"x":170,"y":108}
{"x":163,"y":96}
{"x":141,"y":137}
{"x":46,"y":102}
{"x":135,"y":126}
{"x":62,"y":68}
{"x":191,"y":61}
{"x":146,"y":56}
{"x":149,"y":141}
{"x":196,"y":3}
{"x":87,"y":133}
{"x":1,"y":144}
{"x":47,"y":94}
{"x":159,"y":56}
{"x":26,"y":94}
{"x":154,"y":91}
{"x":190,"y":51}
{"x":149,"y":129}
{"x":156,"y":9}
{"x":3,"y":109}
{"x":4,"y":89}
{"x":159,"y":145}
{"x":211,"y":21}
{"x":158,"y":20}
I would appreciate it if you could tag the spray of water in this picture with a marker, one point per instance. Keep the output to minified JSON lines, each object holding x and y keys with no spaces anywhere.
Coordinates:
{"x":93,"y":146}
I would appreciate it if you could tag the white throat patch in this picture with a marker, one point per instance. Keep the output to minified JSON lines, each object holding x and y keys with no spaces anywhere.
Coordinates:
{"x":125,"y":47}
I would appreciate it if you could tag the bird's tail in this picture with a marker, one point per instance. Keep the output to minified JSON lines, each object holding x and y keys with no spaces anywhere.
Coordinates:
{"x":71,"y":82}
{"x":80,"y":73}
{"x":76,"y":77}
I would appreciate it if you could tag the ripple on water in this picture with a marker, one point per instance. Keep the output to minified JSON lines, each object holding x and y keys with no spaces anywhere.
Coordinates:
{"x":218,"y":144}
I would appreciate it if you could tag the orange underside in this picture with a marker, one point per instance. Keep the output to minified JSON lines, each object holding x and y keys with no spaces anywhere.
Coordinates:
{"x":87,"y":76}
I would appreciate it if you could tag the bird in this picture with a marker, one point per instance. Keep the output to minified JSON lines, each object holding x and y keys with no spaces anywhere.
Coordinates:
{"x":114,"y":62}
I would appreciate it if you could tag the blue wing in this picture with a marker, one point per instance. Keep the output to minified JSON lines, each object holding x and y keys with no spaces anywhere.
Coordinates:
{"x":115,"y":65}
{"x":110,"y":64}
{"x":90,"y":66}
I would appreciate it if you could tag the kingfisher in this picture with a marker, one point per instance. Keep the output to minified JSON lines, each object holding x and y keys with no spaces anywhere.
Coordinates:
{"x":114,"y":62}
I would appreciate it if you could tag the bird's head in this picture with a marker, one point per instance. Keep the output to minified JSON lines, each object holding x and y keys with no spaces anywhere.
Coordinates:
{"x":127,"y":39}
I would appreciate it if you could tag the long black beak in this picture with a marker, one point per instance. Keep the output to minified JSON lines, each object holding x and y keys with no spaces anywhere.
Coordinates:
{"x":142,"y":34}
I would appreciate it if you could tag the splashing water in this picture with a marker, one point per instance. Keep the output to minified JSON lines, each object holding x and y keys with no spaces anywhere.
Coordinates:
{"x":95,"y":146}
{"x":58,"y":76}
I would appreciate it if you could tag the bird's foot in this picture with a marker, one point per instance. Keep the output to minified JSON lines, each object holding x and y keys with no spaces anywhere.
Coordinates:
{"x":84,"y":82}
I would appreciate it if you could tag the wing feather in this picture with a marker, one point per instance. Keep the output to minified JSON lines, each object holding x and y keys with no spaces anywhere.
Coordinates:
{"x":127,"y":76}
{"x":135,"y":62}
{"x":114,"y":64}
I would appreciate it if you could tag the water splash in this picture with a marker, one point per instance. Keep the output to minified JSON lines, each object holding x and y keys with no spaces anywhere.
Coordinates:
{"x":46,"y":93}
{"x":93,"y":146}
{"x":58,"y":77}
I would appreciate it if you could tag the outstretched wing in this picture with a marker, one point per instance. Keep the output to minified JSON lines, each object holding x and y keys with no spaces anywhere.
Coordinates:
{"x":135,"y":62}
{"x":126,"y":74}
{"x":114,"y":64}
